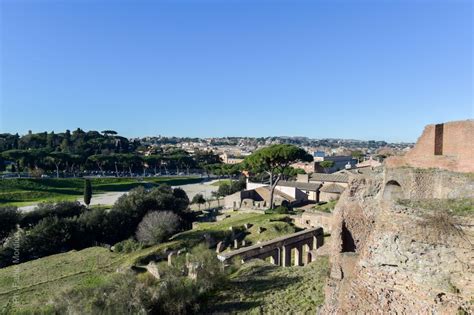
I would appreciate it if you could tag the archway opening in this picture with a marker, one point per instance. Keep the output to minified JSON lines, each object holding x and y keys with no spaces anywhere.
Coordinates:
{"x":348,"y":243}
{"x":392,"y":191}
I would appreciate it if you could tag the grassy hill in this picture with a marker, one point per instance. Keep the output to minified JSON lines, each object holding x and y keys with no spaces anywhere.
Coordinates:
{"x":261,"y":288}
{"x":33,"y":284}
{"x":22,"y":191}
{"x":274,"y":225}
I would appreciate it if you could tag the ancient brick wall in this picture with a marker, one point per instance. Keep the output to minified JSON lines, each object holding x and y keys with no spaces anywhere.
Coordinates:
{"x":315,"y":219}
{"x":417,"y":183}
{"x":399,"y":264}
{"x":448,"y":146}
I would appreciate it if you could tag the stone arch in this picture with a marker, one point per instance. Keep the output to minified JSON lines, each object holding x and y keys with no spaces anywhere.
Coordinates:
{"x":348,"y":242}
{"x":392,"y":191}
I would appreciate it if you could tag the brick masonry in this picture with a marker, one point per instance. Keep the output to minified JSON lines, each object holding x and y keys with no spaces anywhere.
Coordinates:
{"x":448,"y":146}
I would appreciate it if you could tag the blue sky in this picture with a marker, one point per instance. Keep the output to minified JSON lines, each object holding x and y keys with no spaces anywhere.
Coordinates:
{"x":343,"y":69}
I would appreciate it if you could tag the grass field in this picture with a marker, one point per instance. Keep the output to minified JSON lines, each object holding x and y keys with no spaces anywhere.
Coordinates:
{"x":222,"y":181}
{"x":33,"y":284}
{"x":271,"y":224}
{"x":460,"y":206}
{"x":326,"y":207}
{"x":23,"y":191}
{"x":261,"y":288}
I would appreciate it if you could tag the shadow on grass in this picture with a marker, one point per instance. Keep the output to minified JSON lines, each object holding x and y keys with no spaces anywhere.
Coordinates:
{"x":247,"y":292}
{"x":232,"y":307}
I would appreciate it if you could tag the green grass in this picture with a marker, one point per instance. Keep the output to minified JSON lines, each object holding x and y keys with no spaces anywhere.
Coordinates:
{"x":23,"y":191}
{"x":261,"y":288}
{"x":33,"y":284}
{"x":36,"y":282}
{"x":270,"y":222}
{"x":460,"y":206}
{"x":326,"y":207}
{"x":222,"y":181}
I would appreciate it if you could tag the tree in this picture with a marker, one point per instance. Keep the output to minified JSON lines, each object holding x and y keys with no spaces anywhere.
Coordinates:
{"x":156,"y":226}
{"x":357,"y":155}
{"x":199,"y":199}
{"x":154,"y":161}
{"x":9,"y":218}
{"x":181,"y":159}
{"x":326,"y":165}
{"x":224,"y":190}
{"x":205,"y":159}
{"x":100,"y":160}
{"x":109,"y":132}
{"x":274,"y":160}
{"x":16,"y":156}
{"x":87,"y":192}
{"x":75,"y":160}
{"x":57,"y":158}
{"x":129,"y":161}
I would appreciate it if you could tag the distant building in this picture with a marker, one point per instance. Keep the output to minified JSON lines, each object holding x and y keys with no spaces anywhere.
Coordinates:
{"x":319,"y":154}
{"x":369,"y":163}
{"x":257,"y":198}
{"x":231,"y":159}
{"x":257,"y":195}
{"x":331,"y":185}
{"x":308,"y":167}
{"x":340,"y":163}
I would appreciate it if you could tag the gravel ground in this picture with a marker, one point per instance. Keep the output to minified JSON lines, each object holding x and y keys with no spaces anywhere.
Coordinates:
{"x":109,"y":198}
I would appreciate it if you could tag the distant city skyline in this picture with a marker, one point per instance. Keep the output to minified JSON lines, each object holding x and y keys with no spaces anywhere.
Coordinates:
{"x":365,"y":70}
{"x":211,"y":137}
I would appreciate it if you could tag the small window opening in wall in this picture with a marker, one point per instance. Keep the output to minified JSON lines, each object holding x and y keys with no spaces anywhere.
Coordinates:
{"x":348,"y":243}
{"x":438,"y":145}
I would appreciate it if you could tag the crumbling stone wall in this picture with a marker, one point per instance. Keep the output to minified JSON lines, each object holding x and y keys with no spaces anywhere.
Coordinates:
{"x":399,"y":263}
{"x":416,"y":183}
{"x":314,"y":219}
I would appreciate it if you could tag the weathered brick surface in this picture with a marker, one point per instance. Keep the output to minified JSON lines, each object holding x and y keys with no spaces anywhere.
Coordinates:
{"x":419,"y":183}
{"x":400,"y":265}
{"x":457,"y":147}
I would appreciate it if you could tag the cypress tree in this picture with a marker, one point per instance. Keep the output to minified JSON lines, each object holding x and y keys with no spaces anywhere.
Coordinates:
{"x":87,"y":192}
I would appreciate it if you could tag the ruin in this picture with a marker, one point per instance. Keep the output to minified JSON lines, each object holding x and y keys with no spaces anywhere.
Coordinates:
{"x":448,"y":146}
{"x":384,"y":257}
{"x":279,"y":250}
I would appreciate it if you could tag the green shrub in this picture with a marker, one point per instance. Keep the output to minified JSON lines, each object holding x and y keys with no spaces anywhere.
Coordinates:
{"x":121,"y":294}
{"x":62,"y":209}
{"x":174,"y":293}
{"x":127,"y":246}
{"x":279,"y":210}
{"x":226,"y":189}
{"x":9,"y":218}
{"x":50,"y":236}
{"x":156,"y":226}
{"x":55,"y":228}
{"x":223,"y":190}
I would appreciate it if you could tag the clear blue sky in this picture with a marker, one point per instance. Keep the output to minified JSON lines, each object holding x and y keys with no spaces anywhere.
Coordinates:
{"x":349,"y":69}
